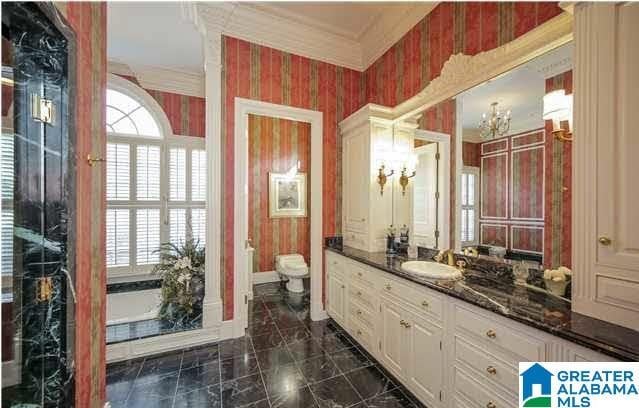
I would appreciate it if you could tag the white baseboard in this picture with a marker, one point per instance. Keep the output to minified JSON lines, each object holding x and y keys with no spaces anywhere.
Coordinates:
{"x":265,"y":277}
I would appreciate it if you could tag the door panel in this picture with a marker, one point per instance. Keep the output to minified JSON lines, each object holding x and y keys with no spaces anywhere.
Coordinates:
{"x":425,"y":372}
{"x":356,"y":196}
{"x":336,"y":300}
{"x":392,"y":337}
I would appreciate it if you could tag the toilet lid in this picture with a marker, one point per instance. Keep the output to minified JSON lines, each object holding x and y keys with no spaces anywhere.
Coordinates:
{"x":293,"y":264}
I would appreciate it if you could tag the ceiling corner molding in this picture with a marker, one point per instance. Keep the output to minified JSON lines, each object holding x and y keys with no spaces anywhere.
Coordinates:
{"x":162,"y":79}
{"x":248,"y":23}
{"x":389,"y":28}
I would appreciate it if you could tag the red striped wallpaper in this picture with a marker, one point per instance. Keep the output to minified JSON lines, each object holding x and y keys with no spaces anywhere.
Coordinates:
{"x":451,"y":28}
{"x":471,"y":154}
{"x":558,"y":200}
{"x":88,"y":21}
{"x":274,"y":146}
{"x":267,"y":74}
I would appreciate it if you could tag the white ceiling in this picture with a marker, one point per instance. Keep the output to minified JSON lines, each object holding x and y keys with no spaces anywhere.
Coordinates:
{"x":348,"y":19}
{"x":520,"y":90}
{"x":152,"y":34}
{"x":351,"y":34}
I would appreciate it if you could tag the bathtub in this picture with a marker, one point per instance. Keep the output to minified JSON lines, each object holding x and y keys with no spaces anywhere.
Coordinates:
{"x":126,"y":307}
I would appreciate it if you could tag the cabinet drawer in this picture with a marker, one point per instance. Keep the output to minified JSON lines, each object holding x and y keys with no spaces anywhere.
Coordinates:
{"x":419,"y":298}
{"x":490,"y":367}
{"x":479,"y":394}
{"x":355,"y":240}
{"x":335,"y":264}
{"x":362,"y":314}
{"x":362,"y":276}
{"x":365,"y":296}
{"x":522,"y":345}
{"x":361,"y":333}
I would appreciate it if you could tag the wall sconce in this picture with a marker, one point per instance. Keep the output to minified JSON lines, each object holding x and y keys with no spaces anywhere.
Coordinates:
{"x":558,"y":108}
{"x":403,"y":179}
{"x":381,"y":178}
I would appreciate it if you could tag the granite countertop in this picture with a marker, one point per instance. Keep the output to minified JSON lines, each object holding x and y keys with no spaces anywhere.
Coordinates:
{"x":528,"y":305}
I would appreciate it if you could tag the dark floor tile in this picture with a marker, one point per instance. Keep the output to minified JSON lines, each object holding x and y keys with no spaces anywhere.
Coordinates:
{"x":360,"y":405}
{"x":334,"y":342}
{"x":283,"y":313}
{"x":235,"y":347}
{"x":391,"y":399}
{"x":257,"y":330}
{"x":323,"y":327}
{"x":283,"y":379}
{"x":161,"y":365}
{"x":318,"y":368}
{"x":259,"y":404}
{"x":257,"y":306}
{"x":142,"y":401}
{"x":259,"y":319}
{"x":350,"y":359}
{"x":305,"y":349}
{"x":239,"y":367}
{"x":200,"y":356}
{"x":299,"y":398}
{"x":158,"y":390}
{"x":272,"y":302}
{"x":274,"y":357}
{"x":370,"y":382}
{"x":295,"y":334}
{"x":287,"y":322}
{"x":199,"y":377}
{"x":203,"y":397}
{"x":243,"y":391}
{"x":267,"y":289}
{"x":267,"y":341}
{"x":335,"y":392}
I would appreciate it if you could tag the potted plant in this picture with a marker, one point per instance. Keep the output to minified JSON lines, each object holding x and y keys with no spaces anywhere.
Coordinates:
{"x":181,"y":268}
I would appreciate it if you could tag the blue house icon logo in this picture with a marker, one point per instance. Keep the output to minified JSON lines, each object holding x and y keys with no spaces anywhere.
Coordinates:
{"x":536,"y":387}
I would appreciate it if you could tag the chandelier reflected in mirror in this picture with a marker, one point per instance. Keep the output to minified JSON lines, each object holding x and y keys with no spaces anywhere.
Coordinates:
{"x":495,"y":124}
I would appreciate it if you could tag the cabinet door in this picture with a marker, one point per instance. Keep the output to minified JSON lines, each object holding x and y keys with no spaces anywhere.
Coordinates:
{"x":426,"y":359}
{"x":337,"y":298}
{"x":356,"y":181}
{"x":392,"y":335}
{"x":606,"y":242}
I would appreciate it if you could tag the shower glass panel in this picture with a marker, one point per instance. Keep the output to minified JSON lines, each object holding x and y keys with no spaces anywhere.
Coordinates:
{"x":37,"y":276}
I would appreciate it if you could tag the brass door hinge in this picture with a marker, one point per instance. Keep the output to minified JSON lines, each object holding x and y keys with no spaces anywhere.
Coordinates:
{"x":44,"y":289}
{"x":437,"y":195}
{"x":42,"y":109}
{"x":437,"y":156}
{"x":246,"y":299}
{"x":436,"y":234}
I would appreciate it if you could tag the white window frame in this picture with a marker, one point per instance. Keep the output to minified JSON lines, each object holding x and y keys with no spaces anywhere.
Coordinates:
{"x":166,"y":141}
{"x":475,"y":172}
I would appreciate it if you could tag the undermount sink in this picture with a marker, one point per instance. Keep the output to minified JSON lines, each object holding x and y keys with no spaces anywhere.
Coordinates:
{"x":431,"y":270}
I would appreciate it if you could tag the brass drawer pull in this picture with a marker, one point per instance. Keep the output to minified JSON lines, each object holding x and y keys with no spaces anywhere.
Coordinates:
{"x":343,"y":286}
{"x":425,"y":303}
{"x":491,"y":334}
{"x":359,"y":274}
{"x":359,"y":312}
{"x":404,"y":323}
{"x":491,"y":370}
{"x":491,"y":405}
{"x":359,"y":293}
{"x":359,"y":332}
{"x":388,"y":286}
{"x":605,"y":241}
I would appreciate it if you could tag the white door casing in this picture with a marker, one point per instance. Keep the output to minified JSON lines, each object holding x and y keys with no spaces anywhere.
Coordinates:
{"x":244,"y":107}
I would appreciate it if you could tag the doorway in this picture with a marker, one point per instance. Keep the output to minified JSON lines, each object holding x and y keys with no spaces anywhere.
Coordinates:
{"x":243,"y":249}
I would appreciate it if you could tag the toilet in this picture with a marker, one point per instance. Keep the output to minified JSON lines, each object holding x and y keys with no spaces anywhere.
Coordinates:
{"x":292,"y":268}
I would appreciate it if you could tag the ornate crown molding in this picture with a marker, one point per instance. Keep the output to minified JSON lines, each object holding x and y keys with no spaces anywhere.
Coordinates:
{"x":287,"y":32}
{"x":462,"y":72}
{"x":162,"y":79}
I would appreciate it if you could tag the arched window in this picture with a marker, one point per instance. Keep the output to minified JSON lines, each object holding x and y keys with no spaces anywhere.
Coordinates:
{"x":152,"y":197}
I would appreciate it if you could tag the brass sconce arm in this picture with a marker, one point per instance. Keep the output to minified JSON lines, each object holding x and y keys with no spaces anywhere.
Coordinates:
{"x":563,"y":135}
{"x":403,"y":180}
{"x":382,"y":177}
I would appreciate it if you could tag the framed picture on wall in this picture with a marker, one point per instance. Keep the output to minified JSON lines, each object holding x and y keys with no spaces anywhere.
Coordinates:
{"x":287,"y":195}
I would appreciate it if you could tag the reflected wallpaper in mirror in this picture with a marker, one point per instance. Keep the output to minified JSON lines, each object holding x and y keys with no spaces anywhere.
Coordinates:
{"x":515,"y":186}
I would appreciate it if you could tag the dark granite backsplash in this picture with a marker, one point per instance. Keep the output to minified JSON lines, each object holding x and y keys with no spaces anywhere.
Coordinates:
{"x":134,"y":286}
{"x":490,"y":285}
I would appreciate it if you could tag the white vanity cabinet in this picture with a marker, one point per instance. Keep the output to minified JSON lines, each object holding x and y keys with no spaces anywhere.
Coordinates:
{"x":447,"y":352}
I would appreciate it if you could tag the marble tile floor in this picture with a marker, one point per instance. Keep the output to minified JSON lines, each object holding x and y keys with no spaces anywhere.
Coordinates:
{"x":285,"y":360}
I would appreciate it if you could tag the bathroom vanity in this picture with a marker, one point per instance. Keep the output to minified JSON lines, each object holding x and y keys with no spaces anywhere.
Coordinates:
{"x":458,"y":343}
